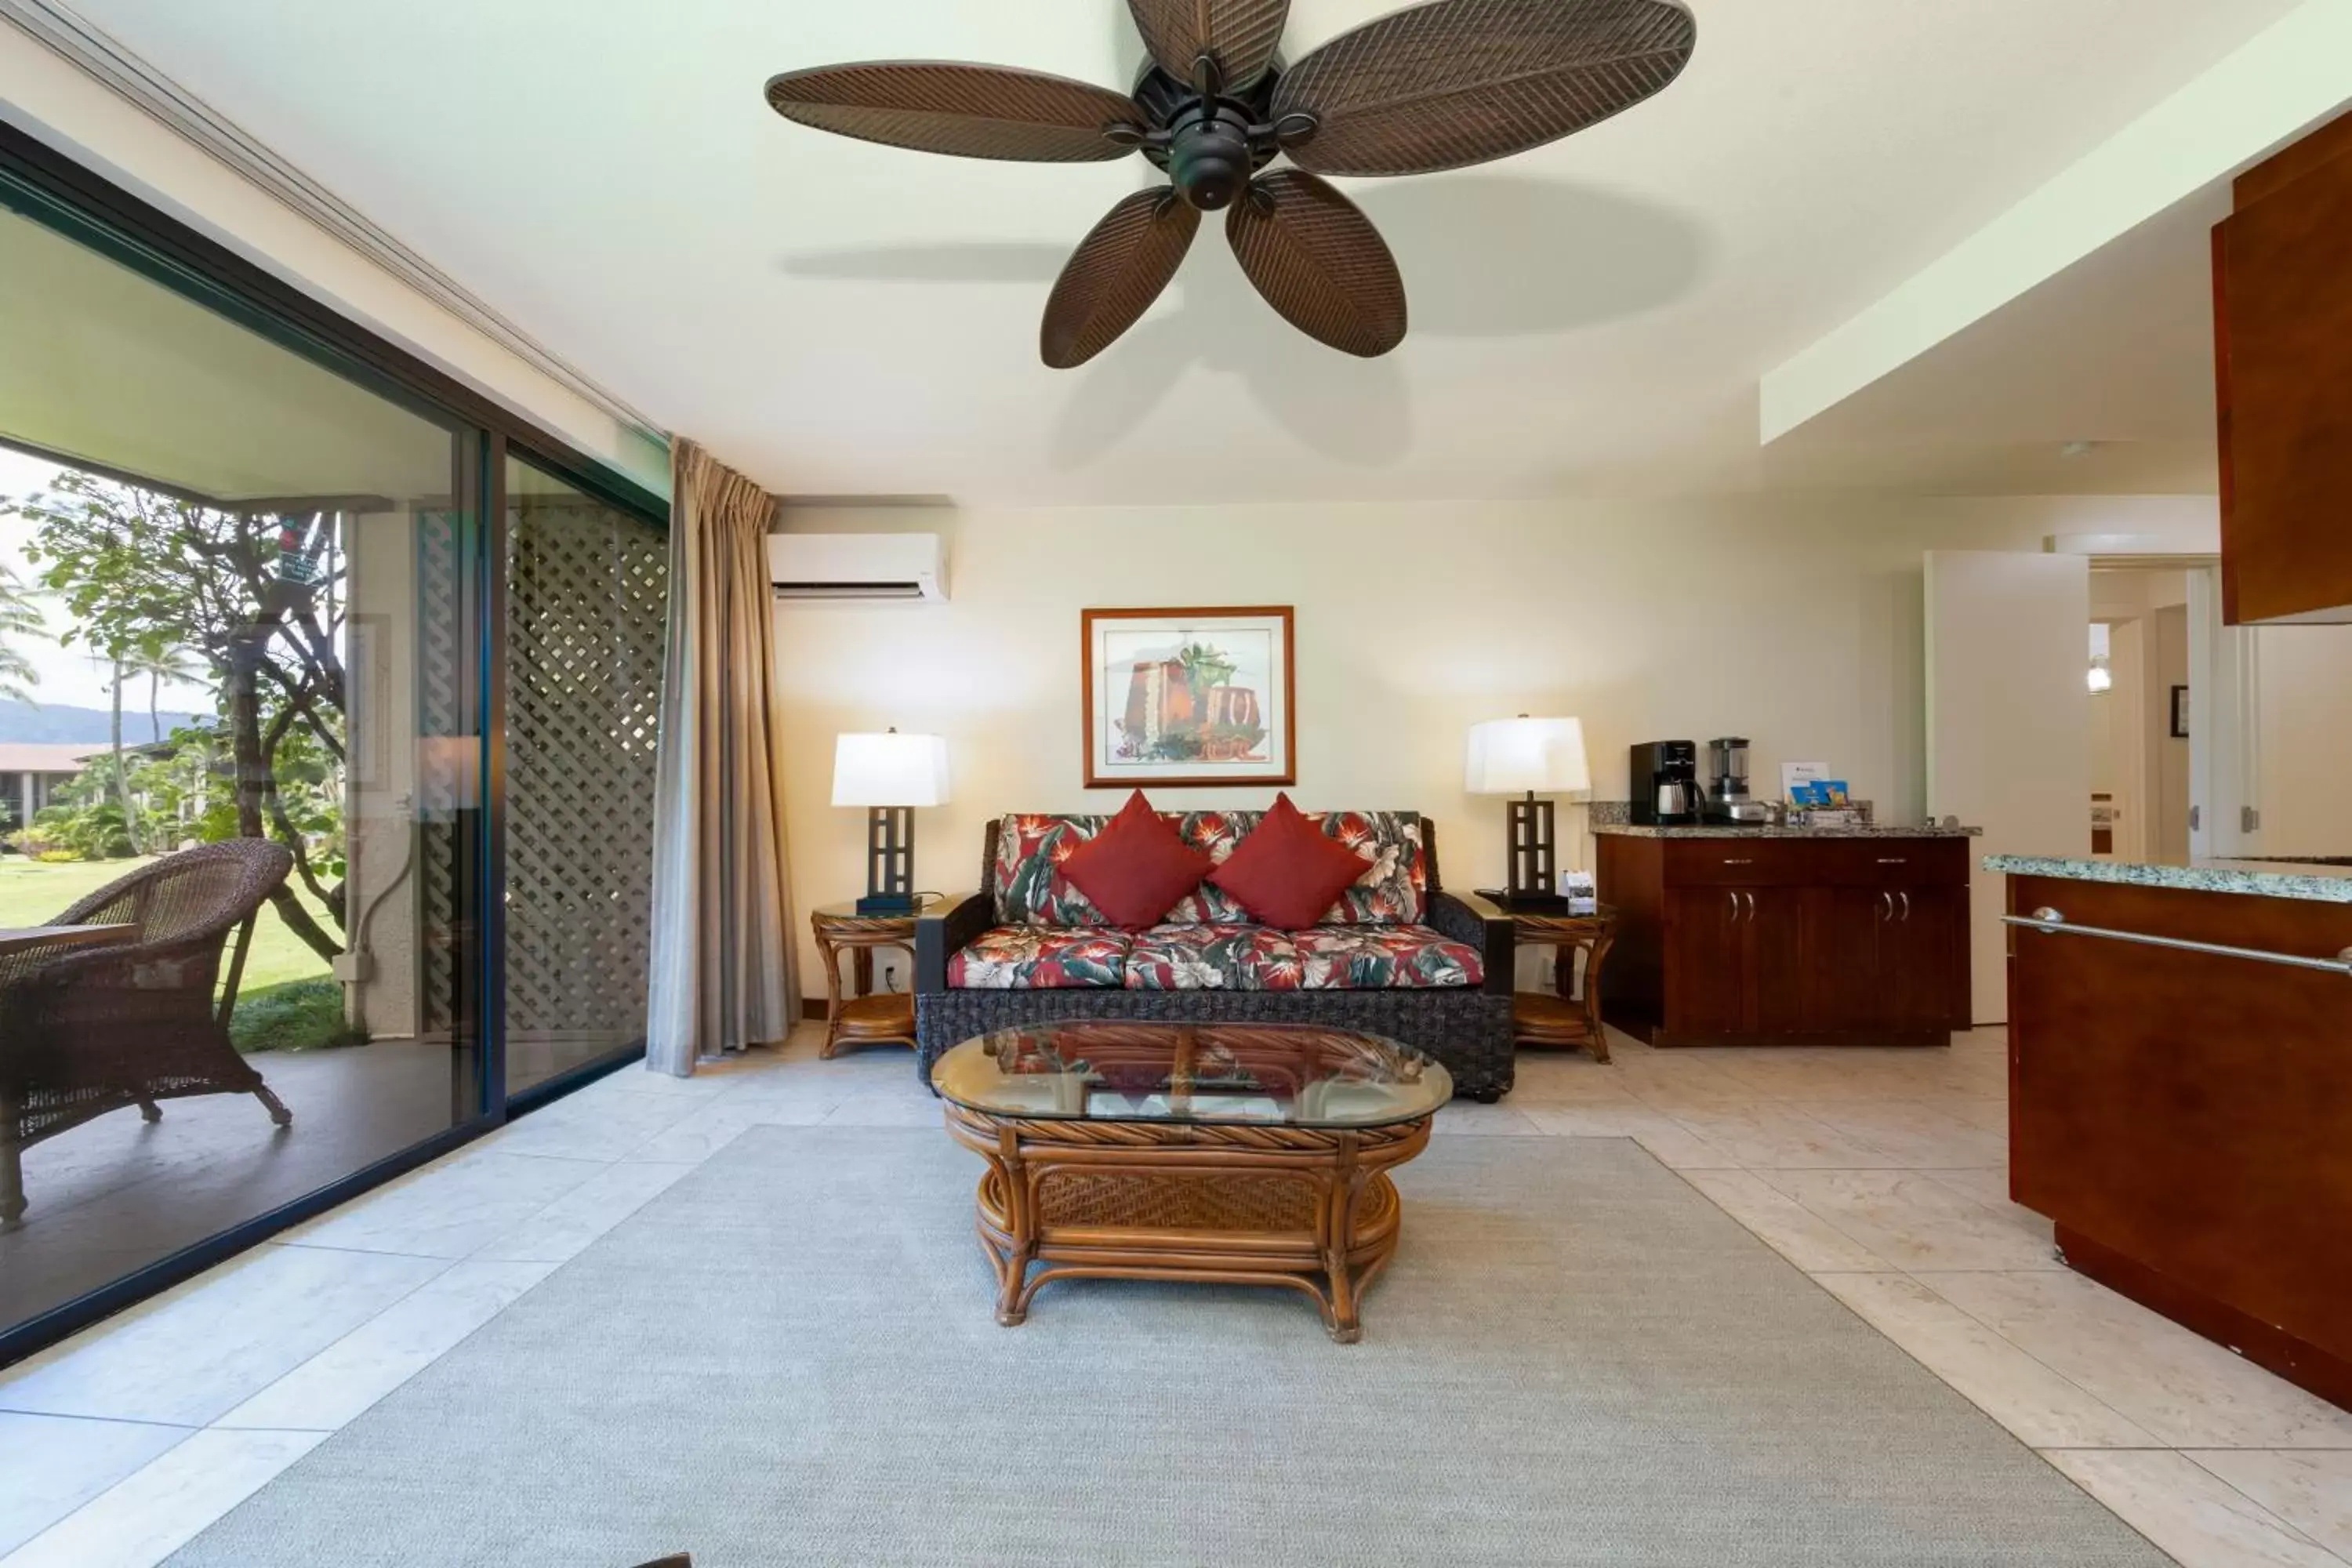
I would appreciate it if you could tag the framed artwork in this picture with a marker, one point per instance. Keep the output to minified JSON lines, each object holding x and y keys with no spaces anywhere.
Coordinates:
{"x":2180,"y":712}
{"x":1187,"y":697}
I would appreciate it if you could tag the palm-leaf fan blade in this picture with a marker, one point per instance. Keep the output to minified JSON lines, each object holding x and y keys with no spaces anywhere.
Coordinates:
{"x":1455,"y":82}
{"x":965,"y":110}
{"x":1113,"y":275}
{"x":1319,"y":262}
{"x":1242,"y":33}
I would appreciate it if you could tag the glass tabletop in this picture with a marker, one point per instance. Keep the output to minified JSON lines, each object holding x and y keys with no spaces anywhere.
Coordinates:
{"x":848,"y":909}
{"x":1295,"y":1075}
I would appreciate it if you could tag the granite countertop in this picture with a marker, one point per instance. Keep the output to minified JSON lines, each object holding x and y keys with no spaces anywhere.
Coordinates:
{"x":1860,"y":830}
{"x":2270,"y":880}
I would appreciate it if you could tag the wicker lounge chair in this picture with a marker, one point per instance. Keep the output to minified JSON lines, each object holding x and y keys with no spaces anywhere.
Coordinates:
{"x":88,"y":1030}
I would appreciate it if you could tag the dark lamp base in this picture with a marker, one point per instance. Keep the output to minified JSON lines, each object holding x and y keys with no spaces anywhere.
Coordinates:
{"x":1524,"y":903}
{"x":889,"y":861}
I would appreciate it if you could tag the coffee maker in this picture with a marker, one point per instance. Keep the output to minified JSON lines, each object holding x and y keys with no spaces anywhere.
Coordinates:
{"x":1727,"y":801}
{"x":1665,"y":783}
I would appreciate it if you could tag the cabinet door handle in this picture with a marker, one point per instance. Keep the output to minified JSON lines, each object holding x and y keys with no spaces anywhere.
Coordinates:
{"x":1734,"y":896}
{"x":1749,"y":900}
{"x":1886,"y":906}
{"x":1906,"y":906}
{"x":1893,"y":860}
{"x":1731,"y":860}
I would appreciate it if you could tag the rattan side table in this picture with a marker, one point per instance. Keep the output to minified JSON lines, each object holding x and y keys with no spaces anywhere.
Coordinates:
{"x":1538,"y":1020}
{"x":866,"y":1018}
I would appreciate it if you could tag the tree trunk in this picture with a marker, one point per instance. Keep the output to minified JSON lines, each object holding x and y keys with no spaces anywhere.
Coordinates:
{"x":123,"y":774}
{"x":254,"y":778}
{"x":154,"y":698}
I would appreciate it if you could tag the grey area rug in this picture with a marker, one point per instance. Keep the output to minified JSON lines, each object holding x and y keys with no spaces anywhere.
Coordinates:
{"x":789,"y":1357}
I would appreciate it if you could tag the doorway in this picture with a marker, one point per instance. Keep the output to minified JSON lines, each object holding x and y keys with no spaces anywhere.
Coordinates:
{"x":2138,"y":675}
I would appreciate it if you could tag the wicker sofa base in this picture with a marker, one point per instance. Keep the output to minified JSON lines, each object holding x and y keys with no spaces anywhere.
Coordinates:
{"x":1467,"y":1031}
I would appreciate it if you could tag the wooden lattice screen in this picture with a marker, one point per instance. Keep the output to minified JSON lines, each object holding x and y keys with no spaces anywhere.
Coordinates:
{"x":587,"y":587}
{"x":587,"y":590}
{"x":445,"y":706}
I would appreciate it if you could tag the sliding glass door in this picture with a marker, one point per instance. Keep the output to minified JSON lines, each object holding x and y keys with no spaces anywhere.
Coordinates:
{"x":236,"y":579}
{"x":327,"y":722}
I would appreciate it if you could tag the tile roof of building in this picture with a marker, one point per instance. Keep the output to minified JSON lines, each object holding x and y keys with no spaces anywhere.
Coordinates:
{"x":45,"y":757}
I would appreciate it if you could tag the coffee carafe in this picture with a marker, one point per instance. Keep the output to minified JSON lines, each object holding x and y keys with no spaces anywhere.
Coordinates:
{"x":1665,"y":783}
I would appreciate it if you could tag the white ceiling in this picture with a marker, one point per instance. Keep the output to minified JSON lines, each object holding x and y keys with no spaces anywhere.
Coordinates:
{"x":2099,"y":381}
{"x":840,"y":319}
{"x":103,"y":366}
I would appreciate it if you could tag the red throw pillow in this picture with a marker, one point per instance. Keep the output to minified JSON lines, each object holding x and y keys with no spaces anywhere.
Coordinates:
{"x":1137,"y":867}
{"x":1286,"y":872}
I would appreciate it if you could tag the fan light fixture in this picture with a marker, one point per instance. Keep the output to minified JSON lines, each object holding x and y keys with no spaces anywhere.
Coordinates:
{"x":1437,"y":86}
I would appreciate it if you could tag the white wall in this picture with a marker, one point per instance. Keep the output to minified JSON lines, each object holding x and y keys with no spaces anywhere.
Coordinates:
{"x":2305,"y":739}
{"x":2118,"y":739}
{"x":1795,"y":622}
{"x":55,"y":100}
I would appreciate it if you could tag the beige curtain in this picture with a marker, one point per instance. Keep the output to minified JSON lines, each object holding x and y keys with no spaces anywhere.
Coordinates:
{"x":722,"y":945}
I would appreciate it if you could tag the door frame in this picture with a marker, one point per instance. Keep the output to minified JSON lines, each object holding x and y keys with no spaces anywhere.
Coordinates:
{"x":2225,"y":757}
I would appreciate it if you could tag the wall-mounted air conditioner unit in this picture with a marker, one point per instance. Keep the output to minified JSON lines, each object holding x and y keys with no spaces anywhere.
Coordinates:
{"x":857,"y":566}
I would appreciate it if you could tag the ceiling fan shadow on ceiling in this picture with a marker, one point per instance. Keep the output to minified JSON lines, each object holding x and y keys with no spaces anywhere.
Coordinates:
{"x":1443,"y":85}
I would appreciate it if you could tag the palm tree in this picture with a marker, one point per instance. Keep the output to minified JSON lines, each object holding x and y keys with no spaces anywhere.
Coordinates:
{"x":18,"y":617}
{"x":160,"y":663}
{"x":122,"y":773}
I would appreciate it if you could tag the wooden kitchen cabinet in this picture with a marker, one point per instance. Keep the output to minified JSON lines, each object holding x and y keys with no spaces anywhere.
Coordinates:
{"x":1831,"y":940}
{"x":1842,"y":991}
{"x":2178,"y":1112}
{"x":1914,"y":965}
{"x":1705,"y":949}
{"x":1731,"y":944}
{"x":2283,"y":376}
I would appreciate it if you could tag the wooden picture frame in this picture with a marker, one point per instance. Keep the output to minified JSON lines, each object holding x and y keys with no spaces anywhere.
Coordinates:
{"x":1188,"y":697}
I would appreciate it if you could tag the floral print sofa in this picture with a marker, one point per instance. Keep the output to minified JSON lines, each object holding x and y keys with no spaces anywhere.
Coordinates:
{"x":1394,"y":955}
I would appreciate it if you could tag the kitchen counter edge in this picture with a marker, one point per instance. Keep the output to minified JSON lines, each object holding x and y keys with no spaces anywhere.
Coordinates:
{"x":2315,"y":885}
{"x":1872,"y":830}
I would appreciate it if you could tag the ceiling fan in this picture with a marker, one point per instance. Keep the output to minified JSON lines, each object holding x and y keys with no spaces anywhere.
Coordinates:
{"x":1437,"y":86}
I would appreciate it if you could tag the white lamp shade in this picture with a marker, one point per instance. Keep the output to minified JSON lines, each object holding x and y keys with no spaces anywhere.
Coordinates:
{"x":448,"y":772}
{"x":890,"y":770}
{"x":1515,"y":756}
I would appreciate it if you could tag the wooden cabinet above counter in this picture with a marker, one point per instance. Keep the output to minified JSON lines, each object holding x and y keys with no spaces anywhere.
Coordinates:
{"x":1787,"y":940}
{"x":2283,"y":363}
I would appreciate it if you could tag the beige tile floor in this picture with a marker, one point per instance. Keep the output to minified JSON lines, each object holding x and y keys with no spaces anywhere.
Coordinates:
{"x":1878,"y":1174}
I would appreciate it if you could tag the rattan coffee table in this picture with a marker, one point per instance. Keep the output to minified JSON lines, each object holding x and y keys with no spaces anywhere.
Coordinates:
{"x":1244,"y":1154}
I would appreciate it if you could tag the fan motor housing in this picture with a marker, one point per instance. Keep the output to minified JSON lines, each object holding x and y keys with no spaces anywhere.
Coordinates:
{"x":1210,"y":153}
{"x":1210,"y":158}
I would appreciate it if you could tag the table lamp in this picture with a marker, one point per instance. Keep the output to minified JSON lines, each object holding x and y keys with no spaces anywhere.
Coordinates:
{"x":891,"y":775}
{"x":1529,"y":757}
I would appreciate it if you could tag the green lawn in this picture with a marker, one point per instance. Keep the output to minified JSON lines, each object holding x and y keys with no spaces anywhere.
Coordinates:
{"x":34,"y":894}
